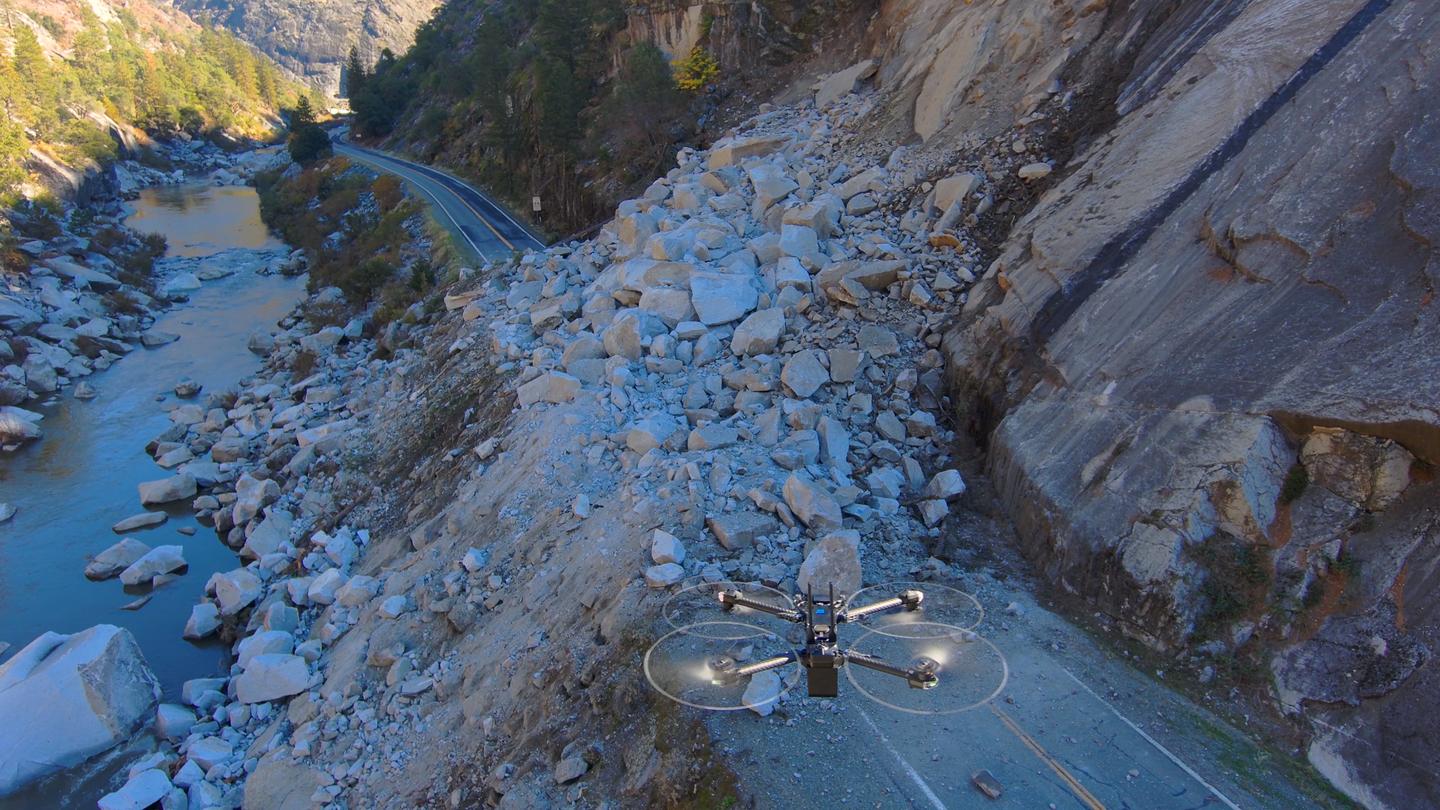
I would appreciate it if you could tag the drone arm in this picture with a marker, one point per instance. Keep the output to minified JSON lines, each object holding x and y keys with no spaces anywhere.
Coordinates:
{"x":910,"y":600}
{"x":732,"y":673}
{"x":766,"y":665}
{"x":733,"y":599}
{"x":856,"y":614}
{"x":917,"y":678}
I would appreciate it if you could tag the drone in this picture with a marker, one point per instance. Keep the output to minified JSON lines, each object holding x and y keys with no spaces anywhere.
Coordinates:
{"x":910,"y":635}
{"x":822,"y":656}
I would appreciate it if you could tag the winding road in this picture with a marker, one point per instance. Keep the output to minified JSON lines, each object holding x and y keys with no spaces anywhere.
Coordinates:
{"x":481,"y":223}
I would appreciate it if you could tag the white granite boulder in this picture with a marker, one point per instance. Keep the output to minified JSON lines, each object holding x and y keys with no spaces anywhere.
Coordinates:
{"x":68,"y":698}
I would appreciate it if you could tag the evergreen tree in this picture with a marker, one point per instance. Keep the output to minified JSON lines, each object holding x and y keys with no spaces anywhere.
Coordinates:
{"x":308,"y":141}
{"x":37,"y":83}
{"x":13,"y":151}
{"x":352,"y":77}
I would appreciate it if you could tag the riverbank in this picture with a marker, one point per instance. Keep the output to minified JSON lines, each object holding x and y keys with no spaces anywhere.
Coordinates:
{"x":71,"y":486}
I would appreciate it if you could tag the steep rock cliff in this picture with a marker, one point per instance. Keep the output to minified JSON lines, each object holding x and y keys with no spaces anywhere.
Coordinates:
{"x":1204,"y":361}
{"x":312,"y":39}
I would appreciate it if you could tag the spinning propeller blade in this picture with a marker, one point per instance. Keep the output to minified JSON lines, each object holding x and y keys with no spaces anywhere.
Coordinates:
{"x":941,"y":605}
{"x":971,"y":671}
{"x":696,"y":665}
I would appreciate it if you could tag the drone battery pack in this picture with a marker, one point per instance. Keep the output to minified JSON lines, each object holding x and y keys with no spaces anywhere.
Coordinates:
{"x":823,"y":681}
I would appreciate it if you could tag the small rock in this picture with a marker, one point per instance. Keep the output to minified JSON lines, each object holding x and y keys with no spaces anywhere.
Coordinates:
{"x":762,"y":692}
{"x":666,"y":548}
{"x":144,"y":520}
{"x":663,"y":576}
{"x":933,"y":511}
{"x":570,"y":769}
{"x":1034,"y":171}
{"x":204,"y":620}
{"x":945,"y":485}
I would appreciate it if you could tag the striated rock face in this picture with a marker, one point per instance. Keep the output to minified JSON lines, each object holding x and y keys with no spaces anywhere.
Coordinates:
{"x":313,"y":38}
{"x":1205,"y":360}
{"x":740,"y":35}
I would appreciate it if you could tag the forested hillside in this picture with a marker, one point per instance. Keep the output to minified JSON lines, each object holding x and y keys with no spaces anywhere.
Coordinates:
{"x":573,"y":101}
{"x":68,"y":70}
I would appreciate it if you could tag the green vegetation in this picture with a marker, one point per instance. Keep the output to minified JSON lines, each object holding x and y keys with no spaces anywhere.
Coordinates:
{"x":696,"y":71}
{"x":1237,"y":579}
{"x":1296,"y":481}
{"x":193,"y":82}
{"x":527,"y":88}
{"x":308,"y":142}
{"x":353,"y":229}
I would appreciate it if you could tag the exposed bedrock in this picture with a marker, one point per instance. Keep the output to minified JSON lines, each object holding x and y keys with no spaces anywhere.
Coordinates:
{"x":1205,"y":362}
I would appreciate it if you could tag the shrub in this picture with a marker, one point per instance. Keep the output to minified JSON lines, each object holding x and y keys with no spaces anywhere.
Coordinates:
{"x":696,"y":71}
{"x":121,"y":302}
{"x":388,"y":192}
{"x":1295,"y":484}
{"x":362,"y":282}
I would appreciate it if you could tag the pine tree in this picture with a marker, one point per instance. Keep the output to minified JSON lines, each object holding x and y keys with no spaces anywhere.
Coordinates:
{"x":37,"y":82}
{"x":352,"y":77}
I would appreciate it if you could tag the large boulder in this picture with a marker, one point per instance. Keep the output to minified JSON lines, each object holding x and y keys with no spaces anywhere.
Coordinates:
{"x":234,"y":590}
{"x":722,"y":297}
{"x":842,"y":83}
{"x":272,"y":676}
{"x":18,"y":425}
{"x":166,"y":490}
{"x":834,"y":561}
{"x":66,"y":698}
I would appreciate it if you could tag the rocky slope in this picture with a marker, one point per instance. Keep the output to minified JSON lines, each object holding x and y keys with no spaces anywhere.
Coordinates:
{"x":1103,"y":241}
{"x":312,"y":39}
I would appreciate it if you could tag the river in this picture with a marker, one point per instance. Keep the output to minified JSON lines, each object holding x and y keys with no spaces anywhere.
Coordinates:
{"x":81,"y":478}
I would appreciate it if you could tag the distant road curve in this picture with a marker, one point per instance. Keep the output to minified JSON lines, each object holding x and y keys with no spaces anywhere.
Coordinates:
{"x":485,"y":225}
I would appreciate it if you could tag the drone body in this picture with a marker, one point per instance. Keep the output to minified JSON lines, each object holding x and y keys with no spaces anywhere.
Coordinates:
{"x":822,"y":656}
{"x":908,"y":634}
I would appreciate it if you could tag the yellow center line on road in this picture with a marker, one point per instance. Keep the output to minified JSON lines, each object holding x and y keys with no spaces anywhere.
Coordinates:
{"x":1068,"y":778}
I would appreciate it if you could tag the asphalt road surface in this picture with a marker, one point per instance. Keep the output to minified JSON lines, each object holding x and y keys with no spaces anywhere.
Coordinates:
{"x":478,"y":221}
{"x":1072,"y":727}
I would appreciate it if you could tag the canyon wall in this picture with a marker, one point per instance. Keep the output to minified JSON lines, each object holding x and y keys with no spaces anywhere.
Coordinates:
{"x":1203,"y":362}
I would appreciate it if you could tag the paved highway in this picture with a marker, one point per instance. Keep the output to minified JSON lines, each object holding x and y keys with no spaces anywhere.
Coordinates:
{"x":478,"y":221}
{"x":1073,"y":728}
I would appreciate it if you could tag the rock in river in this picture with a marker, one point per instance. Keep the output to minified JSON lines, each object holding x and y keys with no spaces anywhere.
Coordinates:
{"x":116,"y":558}
{"x":144,"y":520}
{"x":67,"y":698}
{"x":157,"y":561}
{"x":175,"y":488}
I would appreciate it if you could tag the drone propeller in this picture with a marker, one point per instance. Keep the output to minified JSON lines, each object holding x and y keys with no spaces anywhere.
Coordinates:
{"x":968,"y":671}
{"x":710,"y":665}
{"x":940,"y":606}
{"x":700,"y":605}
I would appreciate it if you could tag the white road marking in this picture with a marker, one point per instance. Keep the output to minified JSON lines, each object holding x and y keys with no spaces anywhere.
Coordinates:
{"x":362,"y":157}
{"x":506,"y":214}
{"x":905,"y":766}
{"x":1156,"y":743}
